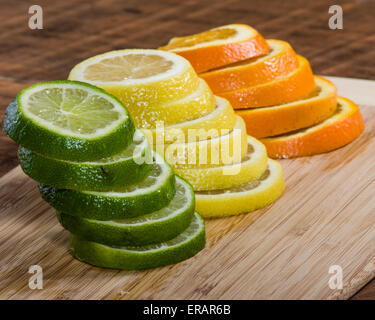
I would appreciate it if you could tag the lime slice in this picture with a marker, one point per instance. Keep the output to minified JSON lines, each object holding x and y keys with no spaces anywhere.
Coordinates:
{"x":127,"y":167}
{"x":182,"y":247}
{"x":69,"y":120}
{"x":139,"y":78}
{"x":149,"y":195}
{"x":155,"y":227}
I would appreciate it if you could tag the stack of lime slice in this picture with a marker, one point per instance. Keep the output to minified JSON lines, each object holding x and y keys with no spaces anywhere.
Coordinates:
{"x":121,"y":202}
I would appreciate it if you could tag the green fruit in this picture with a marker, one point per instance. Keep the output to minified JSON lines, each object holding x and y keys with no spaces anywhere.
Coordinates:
{"x":155,"y":227}
{"x":182,"y":247}
{"x":149,"y":195}
{"x":128,"y":167}
{"x":69,"y":120}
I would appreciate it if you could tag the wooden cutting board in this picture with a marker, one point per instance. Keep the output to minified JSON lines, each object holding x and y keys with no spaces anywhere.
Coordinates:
{"x":326,"y":217}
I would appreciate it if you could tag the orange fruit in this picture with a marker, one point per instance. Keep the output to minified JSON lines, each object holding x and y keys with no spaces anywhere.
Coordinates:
{"x":294,"y":86}
{"x":219,"y":46}
{"x":275,"y":120}
{"x":280,"y":61}
{"x":343,"y":127}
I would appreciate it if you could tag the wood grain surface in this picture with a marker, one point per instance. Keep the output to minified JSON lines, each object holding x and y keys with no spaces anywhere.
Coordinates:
{"x":326,"y":217}
{"x":75,"y":30}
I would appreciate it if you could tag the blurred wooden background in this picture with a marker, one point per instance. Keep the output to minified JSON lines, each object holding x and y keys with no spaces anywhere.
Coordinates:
{"x":75,"y":30}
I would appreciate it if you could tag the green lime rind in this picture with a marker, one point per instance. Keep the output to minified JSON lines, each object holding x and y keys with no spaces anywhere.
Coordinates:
{"x":149,"y":195}
{"x":38,"y":136}
{"x":155,"y":227}
{"x":128,"y":167}
{"x":182,"y":247}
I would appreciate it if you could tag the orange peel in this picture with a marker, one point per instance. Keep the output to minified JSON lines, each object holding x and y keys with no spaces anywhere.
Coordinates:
{"x":280,"y":61}
{"x":340,"y":129}
{"x":276,"y":120}
{"x":296,"y":85}
{"x":219,"y":46}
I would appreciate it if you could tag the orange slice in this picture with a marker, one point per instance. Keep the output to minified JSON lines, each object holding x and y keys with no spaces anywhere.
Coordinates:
{"x":271,"y":121}
{"x":340,"y":129}
{"x":294,"y":86}
{"x":219,"y":46}
{"x":280,"y":61}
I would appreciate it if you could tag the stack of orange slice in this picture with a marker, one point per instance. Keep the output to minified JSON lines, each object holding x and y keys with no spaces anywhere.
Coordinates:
{"x":273,"y":89}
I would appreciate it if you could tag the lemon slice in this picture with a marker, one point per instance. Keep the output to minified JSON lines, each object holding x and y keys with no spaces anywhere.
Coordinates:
{"x":223,"y":114}
{"x":197,"y":104}
{"x":244,"y":198}
{"x":251,"y":167}
{"x":139,"y":78}
{"x":207,"y":152}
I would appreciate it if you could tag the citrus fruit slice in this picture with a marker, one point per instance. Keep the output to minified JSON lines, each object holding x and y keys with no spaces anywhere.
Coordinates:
{"x":182,"y":247}
{"x":219,"y":46}
{"x":199,"y":103}
{"x":139,"y":78}
{"x":270,"y":121}
{"x":280,"y":61}
{"x":223,"y":116}
{"x":345,"y":125}
{"x":251,"y":168}
{"x":158,"y":226}
{"x":204,"y":151}
{"x":244,"y":198}
{"x":149,"y":195}
{"x":68,"y":120}
{"x":127,"y":167}
{"x":294,"y":86}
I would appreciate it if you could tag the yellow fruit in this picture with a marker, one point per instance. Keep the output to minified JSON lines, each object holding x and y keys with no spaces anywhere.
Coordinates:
{"x":251,"y":168}
{"x":222,"y":116}
{"x":244,"y":198}
{"x":197,"y":104}
{"x":204,"y":151}
{"x":139,"y":78}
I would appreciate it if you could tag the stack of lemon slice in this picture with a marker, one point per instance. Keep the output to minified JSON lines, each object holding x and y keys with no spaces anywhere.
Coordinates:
{"x":198,"y":133}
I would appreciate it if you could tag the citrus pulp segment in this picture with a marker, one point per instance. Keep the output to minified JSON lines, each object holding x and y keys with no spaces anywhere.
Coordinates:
{"x":69,"y":120}
{"x":155,"y":227}
{"x":280,"y":61}
{"x":182,"y":247}
{"x":275,"y":120}
{"x":199,"y":103}
{"x":213,"y":178}
{"x":345,"y":125}
{"x":139,"y":78}
{"x":219,"y":46}
{"x":149,"y":195}
{"x":111,"y":173}
{"x":244,"y":198}
{"x":294,"y":86}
